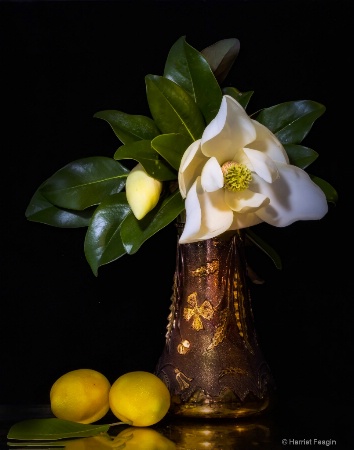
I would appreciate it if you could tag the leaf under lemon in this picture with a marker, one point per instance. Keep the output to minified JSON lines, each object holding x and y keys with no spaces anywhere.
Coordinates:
{"x":52,"y":428}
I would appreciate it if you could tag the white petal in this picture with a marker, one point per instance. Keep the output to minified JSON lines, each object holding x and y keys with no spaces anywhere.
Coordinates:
{"x":216,"y":215}
{"x":193,"y":216}
{"x":244,"y":220}
{"x":293,"y":196}
{"x":212,"y":177}
{"x":230,"y":131}
{"x":268,"y":143}
{"x":245,"y":201}
{"x":207,"y":214}
{"x":191,"y":166}
{"x":262,"y":164}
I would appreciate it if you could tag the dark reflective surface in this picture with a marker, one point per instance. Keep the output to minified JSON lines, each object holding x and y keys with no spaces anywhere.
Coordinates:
{"x":171,"y":434}
{"x":305,"y":423}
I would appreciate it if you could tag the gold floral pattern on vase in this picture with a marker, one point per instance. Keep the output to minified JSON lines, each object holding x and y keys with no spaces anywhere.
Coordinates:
{"x":212,"y":363}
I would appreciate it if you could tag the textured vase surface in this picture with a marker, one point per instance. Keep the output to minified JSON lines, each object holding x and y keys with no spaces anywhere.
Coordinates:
{"x":212,"y":363}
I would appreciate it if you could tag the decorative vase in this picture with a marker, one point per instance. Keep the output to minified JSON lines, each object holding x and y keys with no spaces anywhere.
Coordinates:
{"x":211,"y":362}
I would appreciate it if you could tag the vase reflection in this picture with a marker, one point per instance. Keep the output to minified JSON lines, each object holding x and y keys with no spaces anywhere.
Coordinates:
{"x":188,"y":434}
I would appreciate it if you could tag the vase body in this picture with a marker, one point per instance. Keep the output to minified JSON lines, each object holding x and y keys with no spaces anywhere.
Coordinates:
{"x":212,"y":363}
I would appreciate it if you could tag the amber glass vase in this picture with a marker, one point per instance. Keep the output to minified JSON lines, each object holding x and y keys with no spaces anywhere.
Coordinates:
{"x":212,"y":363}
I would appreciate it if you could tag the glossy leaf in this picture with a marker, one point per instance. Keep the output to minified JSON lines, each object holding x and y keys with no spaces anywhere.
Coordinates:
{"x":188,"y":68}
{"x":128,"y":127}
{"x":242,"y":97}
{"x":52,"y":428}
{"x":41,"y":210}
{"x":173,"y":110}
{"x":103,"y":441}
{"x":48,"y":445}
{"x":300,"y":156}
{"x":135,"y":232}
{"x":143,"y":152}
{"x":291,"y":121}
{"x":176,"y":67}
{"x":85,"y":182}
{"x":207,"y":91}
{"x":103,"y":243}
{"x":266,"y":248}
{"x":221,"y":56}
{"x":171,"y":147}
{"x":329,"y":191}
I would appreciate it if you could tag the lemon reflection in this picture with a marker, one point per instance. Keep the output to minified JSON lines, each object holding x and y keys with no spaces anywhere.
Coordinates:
{"x":132,"y":438}
{"x":102,"y":442}
{"x":136,"y":438}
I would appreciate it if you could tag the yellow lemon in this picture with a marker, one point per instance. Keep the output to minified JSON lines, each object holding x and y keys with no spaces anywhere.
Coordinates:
{"x":143,"y":439}
{"x":139,"y":398}
{"x":81,"y":395}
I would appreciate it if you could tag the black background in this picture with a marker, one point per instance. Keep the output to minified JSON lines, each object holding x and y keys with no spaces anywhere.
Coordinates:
{"x":63,"y":61}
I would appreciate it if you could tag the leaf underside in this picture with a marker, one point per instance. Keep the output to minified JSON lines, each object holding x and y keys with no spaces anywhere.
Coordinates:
{"x":53,"y":428}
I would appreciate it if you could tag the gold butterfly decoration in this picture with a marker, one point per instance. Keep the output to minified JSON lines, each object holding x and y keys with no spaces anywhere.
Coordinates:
{"x":196,"y":312}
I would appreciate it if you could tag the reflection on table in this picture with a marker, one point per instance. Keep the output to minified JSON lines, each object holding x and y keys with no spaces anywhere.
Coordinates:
{"x":175,"y":434}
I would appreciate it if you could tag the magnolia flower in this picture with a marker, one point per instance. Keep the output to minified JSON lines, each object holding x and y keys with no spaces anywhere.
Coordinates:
{"x":143,"y":192}
{"x":238,"y":175}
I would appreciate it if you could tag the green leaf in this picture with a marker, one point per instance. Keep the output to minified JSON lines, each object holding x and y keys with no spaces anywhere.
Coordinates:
{"x":266,"y":248}
{"x":40,"y":210}
{"x":48,"y":445}
{"x":102,"y":441}
{"x":143,"y":152}
{"x":128,"y":127}
{"x":135,"y":232}
{"x":85,"y":182}
{"x":300,"y":156}
{"x":171,"y":147}
{"x":221,"y":56}
{"x":176,"y":67}
{"x":50,"y":429}
{"x":103,"y":243}
{"x":329,"y":191}
{"x":173,"y":110}
{"x":291,"y":121}
{"x":242,"y":97}
{"x":188,"y":68}
{"x":207,"y":91}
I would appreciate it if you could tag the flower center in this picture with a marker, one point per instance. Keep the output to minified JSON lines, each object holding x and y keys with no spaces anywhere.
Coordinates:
{"x":237,"y":177}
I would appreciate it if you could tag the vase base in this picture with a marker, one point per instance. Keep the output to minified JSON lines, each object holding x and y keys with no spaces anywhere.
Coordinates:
{"x":220,"y":410}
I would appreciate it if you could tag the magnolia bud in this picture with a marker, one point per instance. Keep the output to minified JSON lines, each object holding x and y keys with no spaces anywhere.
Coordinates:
{"x":143,"y":192}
